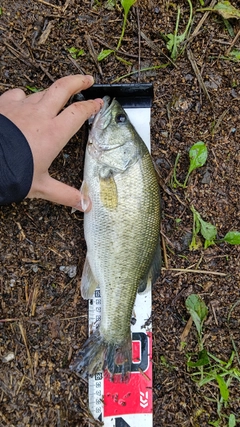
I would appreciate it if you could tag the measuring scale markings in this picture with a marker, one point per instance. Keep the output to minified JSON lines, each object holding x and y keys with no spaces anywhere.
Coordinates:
{"x":109,"y":400}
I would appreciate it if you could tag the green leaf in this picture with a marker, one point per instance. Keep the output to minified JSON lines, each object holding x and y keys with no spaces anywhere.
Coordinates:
{"x":235,"y":54}
{"x":214,"y":423}
{"x":228,"y":11}
{"x":110,"y":4}
{"x":225,"y":9}
{"x":198,"y":310}
{"x":195,"y":302}
{"x":232,"y":421}
{"x":208,"y":230}
{"x":198,"y":155}
{"x":127,"y":4}
{"x":33,"y":89}
{"x":232,"y":237}
{"x":223,"y":387}
{"x":104,"y":53}
{"x":203,"y":360}
{"x":175,"y":40}
{"x":75,"y":52}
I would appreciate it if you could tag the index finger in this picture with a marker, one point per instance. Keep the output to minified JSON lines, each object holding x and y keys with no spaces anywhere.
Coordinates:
{"x":58,"y":94}
{"x":68,"y":122}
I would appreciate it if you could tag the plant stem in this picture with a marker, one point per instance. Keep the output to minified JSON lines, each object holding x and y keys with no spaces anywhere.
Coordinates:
{"x":186,"y":179}
{"x":174,"y":51}
{"x":123,"y":30}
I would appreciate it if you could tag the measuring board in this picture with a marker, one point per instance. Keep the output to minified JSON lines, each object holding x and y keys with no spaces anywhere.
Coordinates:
{"x":127,"y":404}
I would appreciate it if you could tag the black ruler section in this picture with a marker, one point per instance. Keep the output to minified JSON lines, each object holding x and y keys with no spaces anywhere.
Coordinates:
{"x":136,"y":95}
{"x":120,"y":422}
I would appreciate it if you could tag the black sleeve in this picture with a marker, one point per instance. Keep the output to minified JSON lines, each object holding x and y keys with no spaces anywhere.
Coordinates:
{"x":16,"y":163}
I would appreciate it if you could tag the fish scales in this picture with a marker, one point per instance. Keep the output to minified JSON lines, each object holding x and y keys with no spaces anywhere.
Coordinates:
{"x":127,"y":233}
{"x":122,"y":236}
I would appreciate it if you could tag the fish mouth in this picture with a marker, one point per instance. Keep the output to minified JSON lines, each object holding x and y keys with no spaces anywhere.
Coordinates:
{"x":107,"y":105}
{"x":96,"y":142}
{"x":100,"y":122}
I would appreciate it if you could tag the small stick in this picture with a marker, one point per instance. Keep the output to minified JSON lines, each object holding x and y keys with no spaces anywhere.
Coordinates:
{"x":187,"y":270}
{"x":93,"y":53}
{"x":153,"y":46}
{"x":23,"y":333}
{"x":164,"y":252}
{"x":49,"y":4}
{"x":201,"y":22}
{"x":198,"y":74}
{"x":186,"y":331}
{"x":233,"y":43}
{"x":139,"y":43}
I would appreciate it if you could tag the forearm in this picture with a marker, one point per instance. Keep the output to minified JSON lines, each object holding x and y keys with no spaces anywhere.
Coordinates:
{"x":16,"y":163}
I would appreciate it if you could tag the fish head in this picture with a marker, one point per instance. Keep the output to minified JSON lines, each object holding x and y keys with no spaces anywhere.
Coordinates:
{"x":113,"y":141}
{"x":111,"y":126}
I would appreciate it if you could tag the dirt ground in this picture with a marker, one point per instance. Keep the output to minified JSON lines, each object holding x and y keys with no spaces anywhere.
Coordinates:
{"x":43,"y":320}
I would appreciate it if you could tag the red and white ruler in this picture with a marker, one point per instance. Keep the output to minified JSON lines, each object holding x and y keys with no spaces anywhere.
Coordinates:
{"x":127,"y":404}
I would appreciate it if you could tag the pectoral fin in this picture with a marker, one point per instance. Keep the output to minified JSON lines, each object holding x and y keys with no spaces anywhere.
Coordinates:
{"x":84,"y":190}
{"x":108,"y":192}
{"x":153,"y":273}
{"x":88,"y":282}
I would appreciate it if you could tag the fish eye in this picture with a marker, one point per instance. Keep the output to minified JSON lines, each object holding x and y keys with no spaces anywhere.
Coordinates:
{"x":121,"y":118}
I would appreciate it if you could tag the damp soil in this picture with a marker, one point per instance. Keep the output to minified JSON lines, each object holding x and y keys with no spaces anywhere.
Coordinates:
{"x":43,"y":320}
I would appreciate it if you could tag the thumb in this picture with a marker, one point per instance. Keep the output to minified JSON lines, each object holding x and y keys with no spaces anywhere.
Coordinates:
{"x":58,"y":192}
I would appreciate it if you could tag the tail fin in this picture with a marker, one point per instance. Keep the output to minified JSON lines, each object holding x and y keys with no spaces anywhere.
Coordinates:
{"x":99,"y":355}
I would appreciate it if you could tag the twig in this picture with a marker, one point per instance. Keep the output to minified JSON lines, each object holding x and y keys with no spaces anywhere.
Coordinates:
{"x":160,"y":180}
{"x":46,"y":72}
{"x":139,"y":43}
{"x":55,"y":252}
{"x":201,"y":22}
{"x":20,"y":385}
{"x":93,"y":53}
{"x":34,"y":299}
{"x":26,"y":59}
{"x":155,"y":47}
{"x":168,"y":240}
{"x":24,"y":336}
{"x":76,"y":64}
{"x":233,"y":43}
{"x":186,"y":331}
{"x":21,"y":234}
{"x":198,"y":74}
{"x":67,"y":3}
{"x":187,"y":270}
{"x":219,"y":121}
{"x":164,"y":252}
{"x":49,"y":4}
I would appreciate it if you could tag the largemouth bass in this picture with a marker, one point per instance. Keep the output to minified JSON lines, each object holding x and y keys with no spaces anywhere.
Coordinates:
{"x":122,"y":236}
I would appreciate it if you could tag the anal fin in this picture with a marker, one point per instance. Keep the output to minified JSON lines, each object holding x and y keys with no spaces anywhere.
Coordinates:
{"x":88,"y":281}
{"x":153,"y":273}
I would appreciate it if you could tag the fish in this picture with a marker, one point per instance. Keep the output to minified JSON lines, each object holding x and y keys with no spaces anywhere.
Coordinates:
{"x":122,"y":237}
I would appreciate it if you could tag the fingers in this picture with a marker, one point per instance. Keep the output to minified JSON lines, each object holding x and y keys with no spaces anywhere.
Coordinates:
{"x":13,"y":95}
{"x":58,"y":192}
{"x":68,"y":122}
{"x":60,"y":91}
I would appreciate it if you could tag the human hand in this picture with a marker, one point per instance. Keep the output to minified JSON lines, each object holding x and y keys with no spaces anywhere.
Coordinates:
{"x":47,"y":132}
